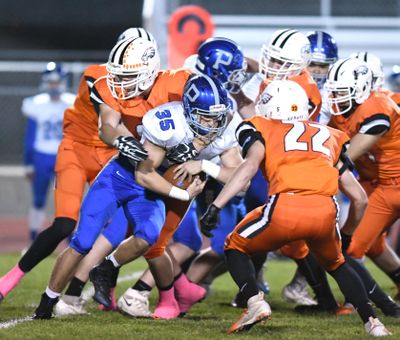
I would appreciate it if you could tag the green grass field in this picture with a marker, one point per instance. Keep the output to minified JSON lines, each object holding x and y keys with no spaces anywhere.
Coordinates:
{"x":207,"y":320}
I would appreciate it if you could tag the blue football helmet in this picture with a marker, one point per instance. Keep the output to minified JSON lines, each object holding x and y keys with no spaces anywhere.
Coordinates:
{"x":223,"y":59}
{"x":206,"y":106}
{"x":394,"y":79}
{"x":323,"y":51}
{"x":54,"y":79}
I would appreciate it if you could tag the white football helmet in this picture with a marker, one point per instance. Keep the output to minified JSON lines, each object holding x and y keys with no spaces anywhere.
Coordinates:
{"x":136,"y":32}
{"x":287,"y":54}
{"x":349,"y":81}
{"x":132,"y":67}
{"x":283,"y":100}
{"x":375,"y":64}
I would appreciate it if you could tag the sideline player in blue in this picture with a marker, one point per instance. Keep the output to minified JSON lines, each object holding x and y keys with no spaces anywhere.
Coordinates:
{"x":44,"y":112}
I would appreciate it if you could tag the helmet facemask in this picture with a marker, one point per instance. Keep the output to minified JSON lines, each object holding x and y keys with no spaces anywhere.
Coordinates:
{"x":208,"y":124}
{"x":348,"y":85}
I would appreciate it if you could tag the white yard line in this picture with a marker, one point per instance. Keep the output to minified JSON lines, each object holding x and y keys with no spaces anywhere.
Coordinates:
{"x":86,"y":295}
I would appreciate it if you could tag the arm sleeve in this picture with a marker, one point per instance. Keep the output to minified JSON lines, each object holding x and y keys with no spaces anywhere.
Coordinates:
{"x":247,"y":135}
{"x":30,"y":134}
{"x":375,"y":124}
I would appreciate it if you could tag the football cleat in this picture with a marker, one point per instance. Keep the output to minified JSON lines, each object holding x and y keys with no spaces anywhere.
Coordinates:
{"x":70,"y":305}
{"x":318,"y":308}
{"x":346,"y":309}
{"x":376,"y":328}
{"x":390,"y":308}
{"x":135,"y":303}
{"x":298,"y":294}
{"x":167,"y":307}
{"x":45,"y":309}
{"x":257,"y":310}
{"x":103,"y":279}
{"x":113,"y":300}
{"x":188,"y":293}
{"x":239,"y":301}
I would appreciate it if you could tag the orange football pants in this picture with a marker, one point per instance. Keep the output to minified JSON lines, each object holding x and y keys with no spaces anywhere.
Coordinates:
{"x":76,"y":165}
{"x":382,"y":211}
{"x":175,"y":212}
{"x":288,"y":218}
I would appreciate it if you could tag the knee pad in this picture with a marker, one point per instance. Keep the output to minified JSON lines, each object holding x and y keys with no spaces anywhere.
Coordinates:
{"x":63,"y":226}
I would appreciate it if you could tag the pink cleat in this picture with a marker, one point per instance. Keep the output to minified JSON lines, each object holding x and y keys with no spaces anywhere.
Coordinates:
{"x":188,"y":293}
{"x":9,"y":281}
{"x":113,"y":305}
{"x":167,"y":307}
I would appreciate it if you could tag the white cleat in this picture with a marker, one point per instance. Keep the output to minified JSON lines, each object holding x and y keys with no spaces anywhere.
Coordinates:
{"x":70,"y":305}
{"x":297,"y":294}
{"x":257,"y":310}
{"x":135,"y":303}
{"x":376,"y":328}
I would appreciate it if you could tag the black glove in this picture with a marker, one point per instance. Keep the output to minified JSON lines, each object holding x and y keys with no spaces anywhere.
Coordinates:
{"x":346,"y":240}
{"x":209,"y":220}
{"x":130,"y":148}
{"x":182,"y":153}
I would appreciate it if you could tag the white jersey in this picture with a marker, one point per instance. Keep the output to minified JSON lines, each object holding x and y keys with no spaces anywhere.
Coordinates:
{"x":166,"y":126}
{"x":48,"y":116}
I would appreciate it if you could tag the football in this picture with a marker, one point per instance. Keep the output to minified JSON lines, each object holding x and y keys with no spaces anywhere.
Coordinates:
{"x":169,"y":176}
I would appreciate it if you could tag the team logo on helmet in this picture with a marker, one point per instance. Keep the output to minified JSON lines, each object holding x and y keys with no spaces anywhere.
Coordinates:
{"x":362,"y":69}
{"x":294,"y":108}
{"x":265,"y":98}
{"x":148,"y":54}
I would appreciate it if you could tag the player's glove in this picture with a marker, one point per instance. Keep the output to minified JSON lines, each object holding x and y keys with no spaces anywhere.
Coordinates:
{"x":131,"y":148}
{"x":182,"y":153}
{"x":346,"y":240}
{"x":209,"y":220}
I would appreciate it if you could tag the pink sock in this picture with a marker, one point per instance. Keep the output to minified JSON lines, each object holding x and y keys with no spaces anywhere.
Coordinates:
{"x":9,"y":281}
{"x":182,"y":282}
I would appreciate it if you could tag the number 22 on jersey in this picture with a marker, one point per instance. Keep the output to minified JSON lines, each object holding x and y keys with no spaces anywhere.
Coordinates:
{"x":315,"y":143}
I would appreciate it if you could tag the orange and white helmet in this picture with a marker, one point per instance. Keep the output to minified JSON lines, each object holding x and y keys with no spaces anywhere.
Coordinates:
{"x":132,"y":66}
{"x":283,"y":100}
{"x":287,"y":53}
{"x":348,"y":84}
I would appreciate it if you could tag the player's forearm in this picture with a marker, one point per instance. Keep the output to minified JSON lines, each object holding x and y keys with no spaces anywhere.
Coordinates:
{"x":237,"y":182}
{"x":109,"y":133}
{"x":358,"y":198}
{"x":356,"y":212}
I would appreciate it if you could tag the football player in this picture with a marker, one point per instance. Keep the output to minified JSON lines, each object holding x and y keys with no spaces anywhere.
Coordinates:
{"x":301,"y":205}
{"x":324,"y":52}
{"x":43,"y":135}
{"x":134,"y":84}
{"x":178,"y":296}
{"x":372,"y":121}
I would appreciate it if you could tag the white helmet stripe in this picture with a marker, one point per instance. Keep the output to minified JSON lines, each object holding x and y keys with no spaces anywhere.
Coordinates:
{"x":214,"y":89}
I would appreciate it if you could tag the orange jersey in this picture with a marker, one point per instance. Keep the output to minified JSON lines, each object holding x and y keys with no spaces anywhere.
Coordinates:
{"x":300,"y":157}
{"x":168,"y":87}
{"x":305,"y":80}
{"x":81,"y":119}
{"x":377,"y":110}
